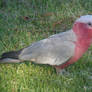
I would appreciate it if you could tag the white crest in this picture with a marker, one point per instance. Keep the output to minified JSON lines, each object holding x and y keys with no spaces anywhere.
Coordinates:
{"x":85,"y":19}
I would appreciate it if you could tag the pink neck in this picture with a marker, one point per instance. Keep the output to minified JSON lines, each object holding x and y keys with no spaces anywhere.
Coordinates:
{"x":81,"y":47}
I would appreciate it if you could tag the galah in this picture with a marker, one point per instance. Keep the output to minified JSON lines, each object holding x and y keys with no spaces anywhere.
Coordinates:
{"x":59,"y":50}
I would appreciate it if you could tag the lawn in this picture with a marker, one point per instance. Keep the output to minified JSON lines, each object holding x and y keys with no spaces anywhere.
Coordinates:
{"x":25,"y":21}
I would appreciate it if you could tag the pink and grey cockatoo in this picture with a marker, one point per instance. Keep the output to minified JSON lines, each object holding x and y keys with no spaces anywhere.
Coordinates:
{"x":59,"y":50}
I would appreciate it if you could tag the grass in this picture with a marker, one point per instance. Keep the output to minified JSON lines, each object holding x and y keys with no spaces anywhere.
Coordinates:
{"x":25,"y":21}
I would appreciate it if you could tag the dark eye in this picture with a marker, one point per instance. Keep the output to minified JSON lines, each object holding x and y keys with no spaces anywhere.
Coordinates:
{"x":89,"y":24}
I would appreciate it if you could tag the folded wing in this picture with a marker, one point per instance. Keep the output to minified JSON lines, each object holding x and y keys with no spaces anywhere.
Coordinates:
{"x":55,"y":50}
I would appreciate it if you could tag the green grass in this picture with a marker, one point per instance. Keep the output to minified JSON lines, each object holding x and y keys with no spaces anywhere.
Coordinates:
{"x":17,"y":32}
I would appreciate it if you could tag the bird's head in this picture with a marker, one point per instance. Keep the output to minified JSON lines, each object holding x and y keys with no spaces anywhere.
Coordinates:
{"x":83,"y":27}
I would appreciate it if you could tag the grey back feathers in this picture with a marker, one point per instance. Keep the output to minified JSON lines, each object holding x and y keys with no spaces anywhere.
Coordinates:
{"x":54,"y":50}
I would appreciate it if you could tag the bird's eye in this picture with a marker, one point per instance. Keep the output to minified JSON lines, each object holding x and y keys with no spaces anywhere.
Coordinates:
{"x":89,"y":24}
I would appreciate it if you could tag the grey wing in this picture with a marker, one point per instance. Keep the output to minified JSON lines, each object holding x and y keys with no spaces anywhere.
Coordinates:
{"x":54,"y":50}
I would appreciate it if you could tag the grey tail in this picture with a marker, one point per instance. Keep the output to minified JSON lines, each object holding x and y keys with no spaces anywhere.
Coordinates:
{"x":10,"y":57}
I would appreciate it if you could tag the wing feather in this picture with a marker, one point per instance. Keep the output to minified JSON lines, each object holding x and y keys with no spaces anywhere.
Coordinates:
{"x":54,"y":50}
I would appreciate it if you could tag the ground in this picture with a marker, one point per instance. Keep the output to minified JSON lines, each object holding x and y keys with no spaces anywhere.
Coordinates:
{"x":25,"y":21}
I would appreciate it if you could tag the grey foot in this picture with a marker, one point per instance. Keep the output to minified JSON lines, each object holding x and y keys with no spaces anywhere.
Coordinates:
{"x":62,"y":71}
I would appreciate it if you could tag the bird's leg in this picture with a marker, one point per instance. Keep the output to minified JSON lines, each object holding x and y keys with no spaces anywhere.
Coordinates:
{"x":60,"y":71}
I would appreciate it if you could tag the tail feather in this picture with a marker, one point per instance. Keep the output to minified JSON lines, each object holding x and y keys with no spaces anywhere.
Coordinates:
{"x":9,"y":60}
{"x":12,"y":54}
{"x":10,"y":57}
